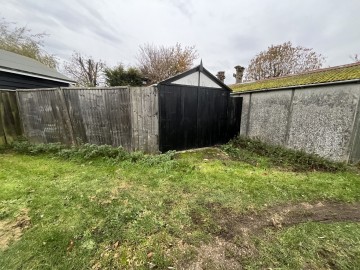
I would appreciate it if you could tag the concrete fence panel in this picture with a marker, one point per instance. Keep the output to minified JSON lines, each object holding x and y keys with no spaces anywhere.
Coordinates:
{"x":322,"y":120}
{"x":269,"y":113}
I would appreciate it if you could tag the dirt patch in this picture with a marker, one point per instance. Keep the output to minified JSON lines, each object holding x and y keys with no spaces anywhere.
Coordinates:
{"x":233,"y":225}
{"x":113,"y":194}
{"x":12,"y":230}
{"x":212,"y":255}
{"x":233,"y":245}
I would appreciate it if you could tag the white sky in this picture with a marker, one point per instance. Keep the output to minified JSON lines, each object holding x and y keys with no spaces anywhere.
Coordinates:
{"x":226,"y":33}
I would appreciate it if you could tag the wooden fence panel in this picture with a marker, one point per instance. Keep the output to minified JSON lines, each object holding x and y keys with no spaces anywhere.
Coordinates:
{"x":117,"y":116}
{"x":10,"y":126}
{"x":144,"y":119}
{"x":44,"y":116}
{"x":118,"y":112}
{"x":154,"y":121}
{"x":72,"y":100}
{"x":92,"y":113}
{"x":100,"y":115}
{"x":135,"y":99}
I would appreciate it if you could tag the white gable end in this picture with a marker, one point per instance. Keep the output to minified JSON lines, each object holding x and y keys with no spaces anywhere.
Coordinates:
{"x":207,"y":82}
{"x":193,"y":79}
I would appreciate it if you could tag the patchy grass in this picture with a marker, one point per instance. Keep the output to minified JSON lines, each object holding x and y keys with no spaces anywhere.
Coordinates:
{"x":162,"y":212}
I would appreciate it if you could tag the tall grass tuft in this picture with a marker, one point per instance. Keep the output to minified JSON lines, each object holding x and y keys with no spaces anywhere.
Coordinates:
{"x":254,"y":150}
{"x":89,"y":152}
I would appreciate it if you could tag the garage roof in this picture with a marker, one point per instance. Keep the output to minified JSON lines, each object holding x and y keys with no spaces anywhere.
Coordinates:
{"x":320,"y":76}
{"x":18,"y":64}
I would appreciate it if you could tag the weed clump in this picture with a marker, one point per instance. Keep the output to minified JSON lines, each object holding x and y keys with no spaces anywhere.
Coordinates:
{"x":254,"y":151}
{"x":89,"y":152}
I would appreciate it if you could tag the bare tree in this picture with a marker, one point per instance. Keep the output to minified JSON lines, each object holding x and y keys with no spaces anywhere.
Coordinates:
{"x":281,"y":60}
{"x":85,"y":70}
{"x":158,"y":63}
{"x":22,"y":41}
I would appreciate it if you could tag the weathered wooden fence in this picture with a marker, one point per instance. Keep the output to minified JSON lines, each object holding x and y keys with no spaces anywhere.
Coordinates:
{"x":113,"y":115}
{"x":10,"y":127}
{"x":118,"y":116}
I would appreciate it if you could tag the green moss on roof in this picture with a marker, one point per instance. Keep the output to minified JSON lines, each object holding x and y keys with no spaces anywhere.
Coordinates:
{"x":339,"y":73}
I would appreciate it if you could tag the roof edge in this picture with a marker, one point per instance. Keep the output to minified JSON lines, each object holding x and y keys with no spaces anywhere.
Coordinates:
{"x":319,"y":70}
{"x":37,"y":75}
{"x":199,"y":68}
{"x":295,"y":86}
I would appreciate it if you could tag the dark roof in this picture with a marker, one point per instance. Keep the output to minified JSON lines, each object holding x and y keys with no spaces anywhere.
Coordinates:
{"x":15,"y":63}
{"x":319,"y":76}
{"x":196,"y":69}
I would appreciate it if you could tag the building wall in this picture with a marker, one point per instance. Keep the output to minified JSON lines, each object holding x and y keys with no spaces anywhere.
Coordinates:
{"x":322,"y":119}
{"x":193,"y":79}
{"x":16,"y":81}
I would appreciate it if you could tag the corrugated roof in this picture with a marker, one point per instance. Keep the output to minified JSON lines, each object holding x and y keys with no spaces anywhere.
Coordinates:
{"x":12,"y":62}
{"x":326,"y":75}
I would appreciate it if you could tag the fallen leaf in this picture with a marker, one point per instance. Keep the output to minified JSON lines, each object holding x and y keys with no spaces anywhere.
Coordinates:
{"x":70,"y":246}
{"x":116,"y":244}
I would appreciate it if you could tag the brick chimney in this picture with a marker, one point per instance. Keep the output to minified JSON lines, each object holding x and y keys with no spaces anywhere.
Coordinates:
{"x":239,"y":74}
{"x":221,"y":76}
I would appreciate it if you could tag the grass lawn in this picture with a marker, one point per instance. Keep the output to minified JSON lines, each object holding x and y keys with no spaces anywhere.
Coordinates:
{"x":201,"y":210}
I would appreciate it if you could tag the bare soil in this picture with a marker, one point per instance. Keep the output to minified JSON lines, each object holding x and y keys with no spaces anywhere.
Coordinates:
{"x":12,"y":230}
{"x":232,"y":242}
{"x":282,"y":216}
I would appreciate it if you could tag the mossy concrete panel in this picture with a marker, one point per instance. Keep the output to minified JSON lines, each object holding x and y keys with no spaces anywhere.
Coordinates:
{"x":269,"y":115}
{"x":355,"y":146}
{"x":244,"y":114}
{"x":323,"y":119}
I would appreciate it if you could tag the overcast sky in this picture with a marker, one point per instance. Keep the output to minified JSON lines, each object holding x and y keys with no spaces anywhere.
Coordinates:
{"x":226,"y":33}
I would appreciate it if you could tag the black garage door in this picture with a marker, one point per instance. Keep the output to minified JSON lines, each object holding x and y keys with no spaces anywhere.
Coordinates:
{"x":192,"y":116}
